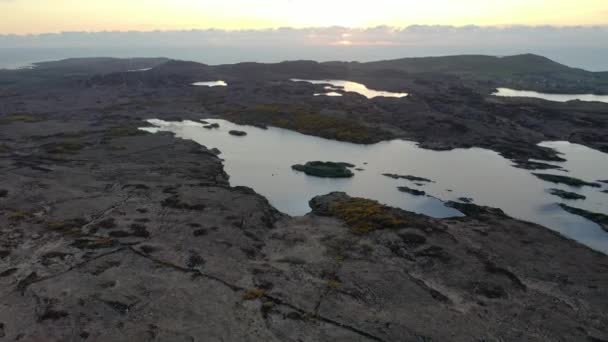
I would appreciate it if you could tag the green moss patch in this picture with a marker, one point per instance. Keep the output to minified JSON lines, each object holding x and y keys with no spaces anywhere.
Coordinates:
{"x":65,"y":147}
{"x":308,"y":121}
{"x":364,"y":216}
{"x":253,"y":294}
{"x":325,"y":169}
{"x":18,"y":215}
{"x":94,"y":243}
{"x":19,"y":118}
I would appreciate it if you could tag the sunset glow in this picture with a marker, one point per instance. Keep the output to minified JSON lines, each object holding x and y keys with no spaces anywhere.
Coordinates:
{"x":37,"y":16}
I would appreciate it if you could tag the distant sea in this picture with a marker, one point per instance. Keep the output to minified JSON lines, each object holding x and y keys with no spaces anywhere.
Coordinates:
{"x":592,"y":59}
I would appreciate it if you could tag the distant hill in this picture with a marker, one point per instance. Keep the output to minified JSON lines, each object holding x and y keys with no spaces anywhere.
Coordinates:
{"x":472,"y":64}
{"x":524,"y":72}
{"x":528,"y":71}
{"x":100,"y":65}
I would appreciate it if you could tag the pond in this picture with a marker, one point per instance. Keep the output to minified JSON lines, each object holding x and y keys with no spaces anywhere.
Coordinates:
{"x":334,"y":86}
{"x":218,"y":83}
{"x":551,"y":97}
{"x":262,"y":160}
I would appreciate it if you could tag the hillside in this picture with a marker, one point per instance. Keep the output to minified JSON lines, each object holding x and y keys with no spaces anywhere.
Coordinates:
{"x":529,"y":72}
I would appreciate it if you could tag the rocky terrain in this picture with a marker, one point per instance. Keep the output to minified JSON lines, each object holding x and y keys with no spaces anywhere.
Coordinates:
{"x":108,"y":233}
{"x":449,"y":105}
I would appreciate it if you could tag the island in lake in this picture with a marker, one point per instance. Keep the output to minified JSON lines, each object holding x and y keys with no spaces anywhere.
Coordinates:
{"x":120,"y":221}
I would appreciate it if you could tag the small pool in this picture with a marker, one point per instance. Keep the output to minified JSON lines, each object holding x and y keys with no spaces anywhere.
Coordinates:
{"x":506,"y":92}
{"x":218,"y":83}
{"x":335,"y":86}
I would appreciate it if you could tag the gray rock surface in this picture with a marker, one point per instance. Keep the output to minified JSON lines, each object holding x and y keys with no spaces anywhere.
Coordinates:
{"x":111,"y":234}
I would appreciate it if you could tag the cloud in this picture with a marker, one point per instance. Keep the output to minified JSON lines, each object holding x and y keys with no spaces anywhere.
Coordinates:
{"x":418,"y":35}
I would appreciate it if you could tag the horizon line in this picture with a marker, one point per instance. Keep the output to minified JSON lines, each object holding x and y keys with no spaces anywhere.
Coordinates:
{"x":358,"y":28}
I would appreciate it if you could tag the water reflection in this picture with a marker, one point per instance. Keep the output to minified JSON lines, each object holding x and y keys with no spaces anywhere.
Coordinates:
{"x":348,"y":86}
{"x":263,"y":160}
{"x":551,"y":97}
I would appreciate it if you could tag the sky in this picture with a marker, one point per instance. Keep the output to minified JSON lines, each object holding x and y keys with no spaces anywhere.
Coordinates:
{"x":42,"y":16}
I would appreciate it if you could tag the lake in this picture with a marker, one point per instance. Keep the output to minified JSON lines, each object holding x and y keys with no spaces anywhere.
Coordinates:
{"x":551,"y":97}
{"x":218,"y":83}
{"x":334,"y":86}
{"x":262,"y":160}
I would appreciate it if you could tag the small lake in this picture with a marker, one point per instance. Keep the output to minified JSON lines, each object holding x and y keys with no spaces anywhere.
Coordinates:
{"x":262,"y":160}
{"x":139,"y":70}
{"x":334,"y":86}
{"x":218,"y":83}
{"x":506,"y":92}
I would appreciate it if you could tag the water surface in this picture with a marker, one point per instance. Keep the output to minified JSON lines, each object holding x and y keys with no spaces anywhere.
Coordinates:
{"x":218,"y":83}
{"x":551,"y":97}
{"x":262,"y":160}
{"x":348,"y":86}
{"x":139,"y":70}
{"x":330,"y":93}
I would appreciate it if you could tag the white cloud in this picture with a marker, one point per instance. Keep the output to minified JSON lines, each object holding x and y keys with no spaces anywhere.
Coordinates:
{"x":418,"y":35}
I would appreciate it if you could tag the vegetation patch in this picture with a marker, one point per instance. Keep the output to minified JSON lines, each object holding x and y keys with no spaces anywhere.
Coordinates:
{"x":325,"y":169}
{"x":17,"y":215}
{"x":66,"y":147}
{"x":94,"y":243}
{"x":68,"y":226}
{"x":20,"y":118}
{"x":565,"y":180}
{"x":364,"y":216}
{"x":308,"y":121}
{"x":334,"y":284}
{"x":253,"y":294}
